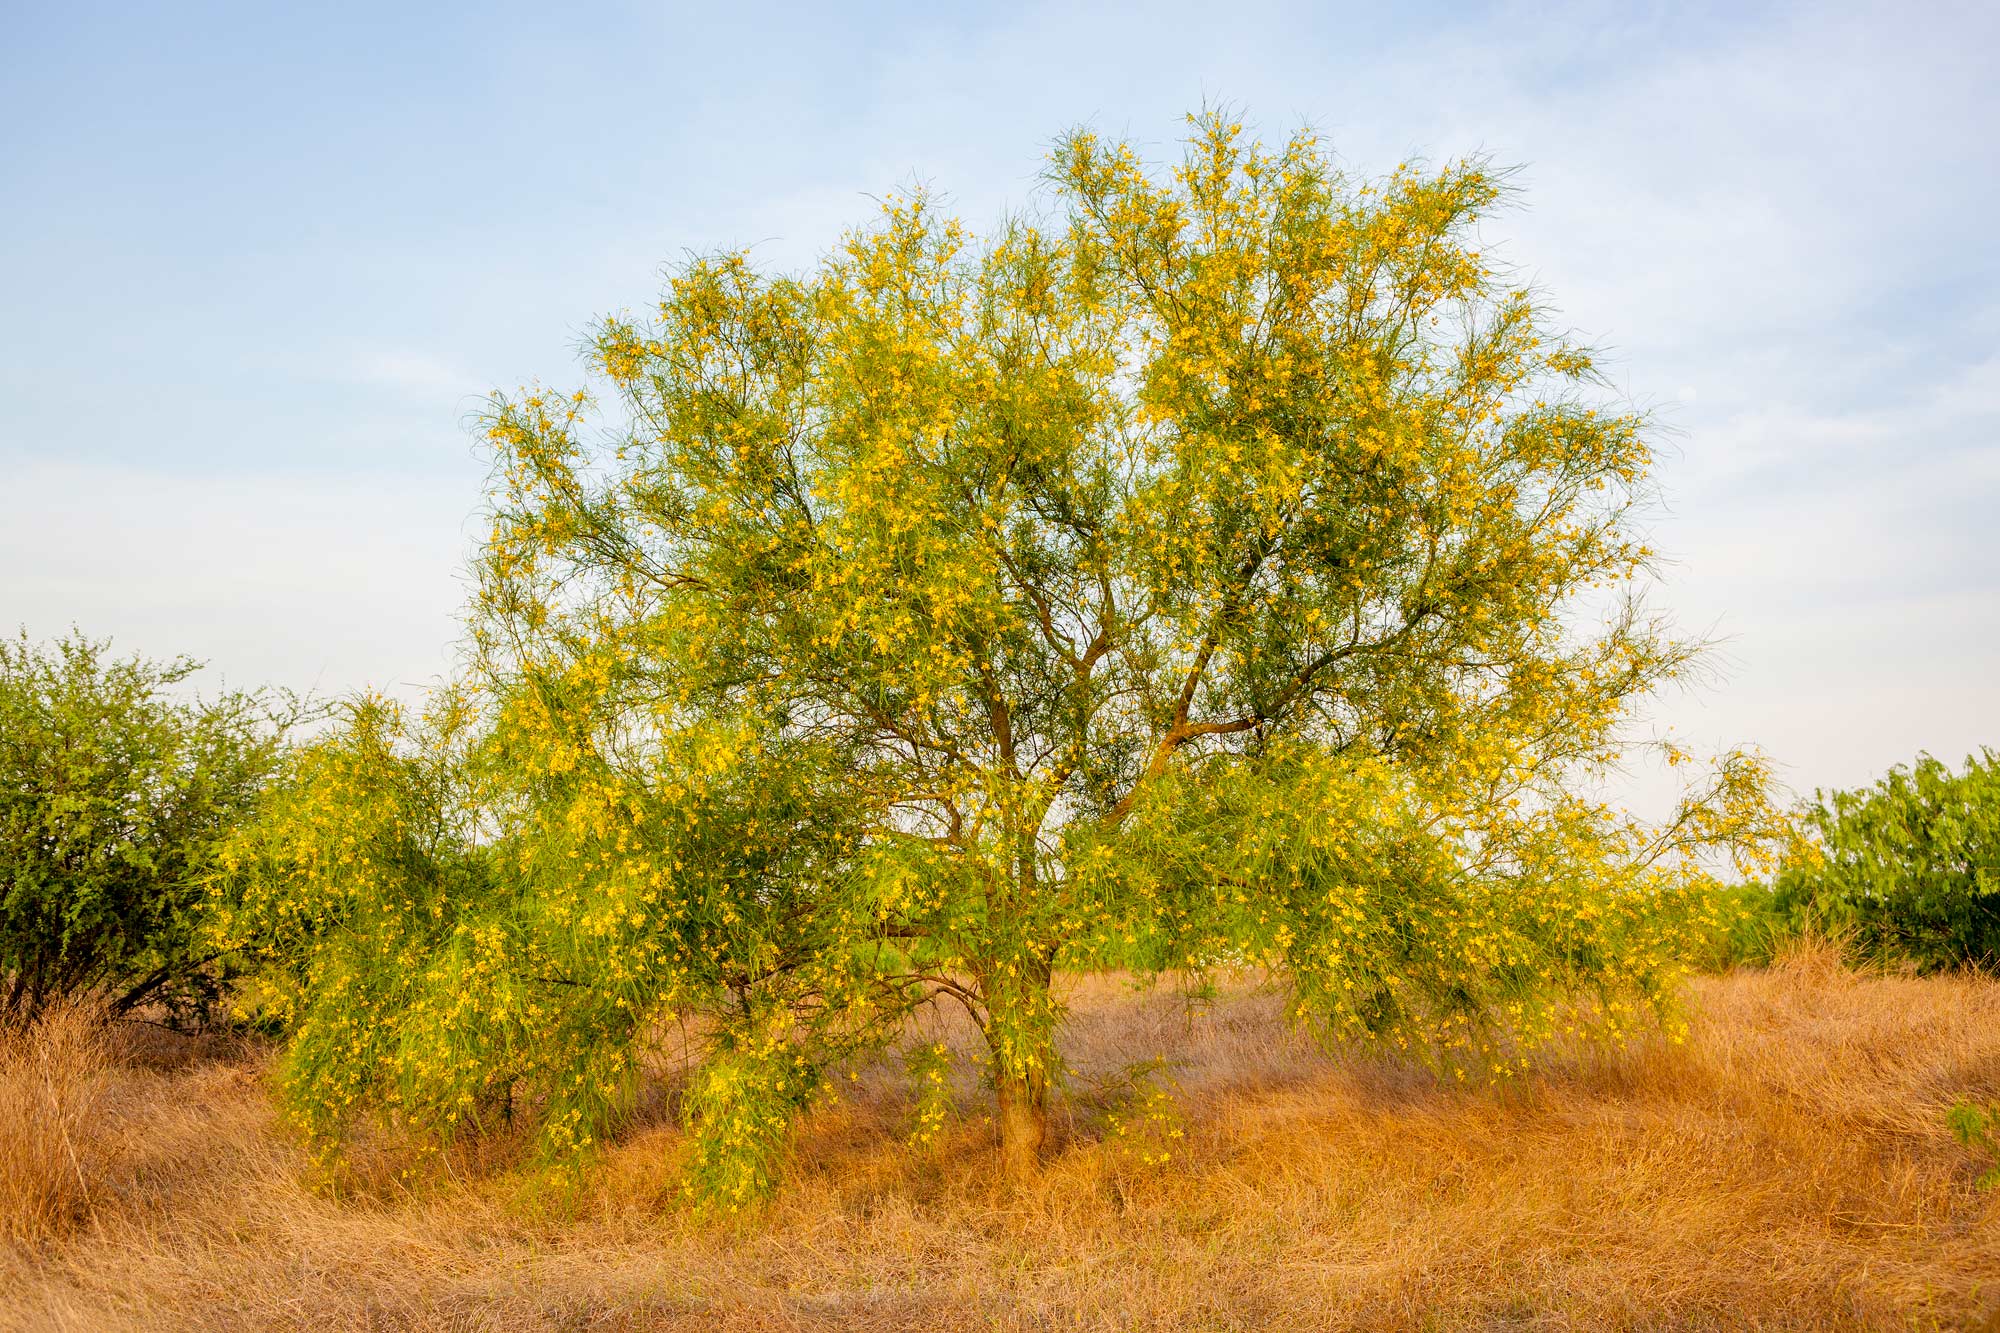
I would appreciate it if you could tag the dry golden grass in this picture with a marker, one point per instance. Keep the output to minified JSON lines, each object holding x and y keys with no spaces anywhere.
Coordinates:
{"x":1786,"y":1168}
{"x":53,"y":1140}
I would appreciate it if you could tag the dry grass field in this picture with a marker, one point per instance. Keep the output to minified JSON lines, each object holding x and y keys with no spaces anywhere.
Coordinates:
{"x":1785,"y":1168}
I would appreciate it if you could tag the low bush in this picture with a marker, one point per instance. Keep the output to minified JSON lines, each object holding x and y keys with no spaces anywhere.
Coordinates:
{"x":1978,"y":1128}
{"x":1753,"y":927}
{"x":114,"y":789}
{"x":1908,"y":870}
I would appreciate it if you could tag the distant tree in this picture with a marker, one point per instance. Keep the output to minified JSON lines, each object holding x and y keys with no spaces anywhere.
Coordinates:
{"x":114,"y":790}
{"x":1197,"y":575}
{"x":1908,"y":869}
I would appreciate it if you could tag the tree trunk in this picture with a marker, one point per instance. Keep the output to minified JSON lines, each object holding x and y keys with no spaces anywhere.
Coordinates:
{"x":1021,"y":1036}
{"x":1020,"y":1032}
{"x":1024,"y":1125}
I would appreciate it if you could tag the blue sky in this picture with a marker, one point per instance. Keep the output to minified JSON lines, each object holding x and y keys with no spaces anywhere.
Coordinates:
{"x":260,"y":263}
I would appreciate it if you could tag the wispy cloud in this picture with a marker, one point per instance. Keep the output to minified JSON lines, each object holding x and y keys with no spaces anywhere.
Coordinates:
{"x":424,"y":374}
{"x":237,"y":393}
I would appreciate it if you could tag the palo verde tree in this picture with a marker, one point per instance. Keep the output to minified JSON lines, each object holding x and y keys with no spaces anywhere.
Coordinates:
{"x":1212,"y":569}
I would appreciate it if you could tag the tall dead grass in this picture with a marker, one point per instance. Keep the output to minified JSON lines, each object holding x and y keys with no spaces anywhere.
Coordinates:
{"x":1786,"y":1168}
{"x":55,"y":1139}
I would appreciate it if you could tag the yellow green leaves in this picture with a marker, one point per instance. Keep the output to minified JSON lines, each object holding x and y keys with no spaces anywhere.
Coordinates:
{"x":1449,"y":920}
{"x":928,"y":1065}
{"x":1191,"y":571}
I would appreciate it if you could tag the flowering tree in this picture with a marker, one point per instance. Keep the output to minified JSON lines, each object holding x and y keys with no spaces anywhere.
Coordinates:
{"x":1193,"y":574}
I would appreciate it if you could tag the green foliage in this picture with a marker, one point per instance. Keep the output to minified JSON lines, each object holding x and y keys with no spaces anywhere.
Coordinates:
{"x":928,"y":1065}
{"x":1406,"y":910}
{"x":1144,"y":1125}
{"x":1978,"y":1128}
{"x":114,"y":790}
{"x":1753,"y":925}
{"x":441,"y":952}
{"x":1194,"y":574}
{"x":1907,"y":870}
{"x":364,"y":889}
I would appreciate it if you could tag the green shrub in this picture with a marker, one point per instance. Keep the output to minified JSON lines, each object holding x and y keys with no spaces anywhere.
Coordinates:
{"x":1978,"y":1128}
{"x":113,"y":791}
{"x":1752,"y":925}
{"x":1909,"y":869}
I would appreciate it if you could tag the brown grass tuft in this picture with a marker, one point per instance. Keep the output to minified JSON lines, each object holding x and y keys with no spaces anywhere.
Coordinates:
{"x":56,"y":1143}
{"x":1786,"y":1168}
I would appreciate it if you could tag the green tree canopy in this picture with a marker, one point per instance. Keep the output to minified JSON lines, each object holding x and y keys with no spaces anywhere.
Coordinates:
{"x":1909,"y":868}
{"x":114,"y":791}
{"x":1194,"y":572}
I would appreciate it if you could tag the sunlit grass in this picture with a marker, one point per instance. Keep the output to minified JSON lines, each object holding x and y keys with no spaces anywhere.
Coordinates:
{"x":1789,"y":1166}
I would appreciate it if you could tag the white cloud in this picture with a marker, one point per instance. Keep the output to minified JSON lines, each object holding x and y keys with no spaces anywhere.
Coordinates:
{"x":1775,"y":219}
{"x":415,"y":372}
